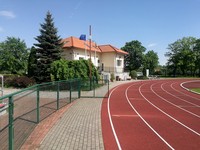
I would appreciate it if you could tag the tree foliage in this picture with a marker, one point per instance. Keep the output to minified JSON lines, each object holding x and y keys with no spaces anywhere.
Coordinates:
{"x":135,"y":58}
{"x":48,"y":49}
{"x":182,"y":57}
{"x":197,"y":55}
{"x":64,"y":69}
{"x":32,"y":63}
{"x":13,"y":56}
{"x":133,"y":74}
{"x":151,"y":61}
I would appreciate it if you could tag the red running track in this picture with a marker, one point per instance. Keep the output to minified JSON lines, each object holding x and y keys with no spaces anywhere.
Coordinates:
{"x":153,"y":114}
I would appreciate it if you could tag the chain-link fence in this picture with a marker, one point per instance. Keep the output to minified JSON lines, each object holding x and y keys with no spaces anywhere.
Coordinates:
{"x":91,"y":88}
{"x":21,"y":111}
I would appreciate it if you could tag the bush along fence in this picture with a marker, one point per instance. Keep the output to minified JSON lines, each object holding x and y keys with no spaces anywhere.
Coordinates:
{"x":20,"y":112}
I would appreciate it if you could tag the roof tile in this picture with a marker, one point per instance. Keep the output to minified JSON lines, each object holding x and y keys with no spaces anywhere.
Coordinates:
{"x":76,"y":42}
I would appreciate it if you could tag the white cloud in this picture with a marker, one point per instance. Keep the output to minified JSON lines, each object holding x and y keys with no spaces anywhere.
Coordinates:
{"x":152,"y":45}
{"x":7,"y":14}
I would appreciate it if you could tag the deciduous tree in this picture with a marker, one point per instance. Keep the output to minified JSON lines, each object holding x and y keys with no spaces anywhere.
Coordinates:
{"x":181,"y":55}
{"x":151,"y":61}
{"x":197,"y":55}
{"x":13,"y":56}
{"x":134,"y":59}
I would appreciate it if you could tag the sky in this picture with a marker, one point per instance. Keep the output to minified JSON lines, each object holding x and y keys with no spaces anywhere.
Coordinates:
{"x":154,"y":23}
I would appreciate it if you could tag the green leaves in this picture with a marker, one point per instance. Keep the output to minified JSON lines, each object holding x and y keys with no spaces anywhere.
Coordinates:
{"x":134,"y":59}
{"x":13,"y":56}
{"x":151,"y":61}
{"x":48,"y":49}
{"x":63,"y":69}
{"x":182,"y":57}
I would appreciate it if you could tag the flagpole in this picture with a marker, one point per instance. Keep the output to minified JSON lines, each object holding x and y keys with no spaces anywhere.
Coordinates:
{"x":90,"y":40}
{"x":90,"y":61}
{"x":95,"y":62}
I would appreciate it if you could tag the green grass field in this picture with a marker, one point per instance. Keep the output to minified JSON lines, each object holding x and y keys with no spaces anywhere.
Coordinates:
{"x":196,"y":90}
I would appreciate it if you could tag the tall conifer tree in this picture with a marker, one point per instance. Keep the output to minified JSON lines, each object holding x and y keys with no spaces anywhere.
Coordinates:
{"x":49,"y":48}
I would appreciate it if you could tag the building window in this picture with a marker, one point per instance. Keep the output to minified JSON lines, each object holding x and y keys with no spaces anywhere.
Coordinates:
{"x":81,"y":58}
{"x":119,"y":62}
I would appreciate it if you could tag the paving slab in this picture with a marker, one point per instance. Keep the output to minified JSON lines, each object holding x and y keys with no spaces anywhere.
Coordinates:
{"x":79,"y":128}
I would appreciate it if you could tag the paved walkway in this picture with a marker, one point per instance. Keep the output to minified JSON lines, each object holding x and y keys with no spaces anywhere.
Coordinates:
{"x":79,"y":128}
{"x":74,"y":127}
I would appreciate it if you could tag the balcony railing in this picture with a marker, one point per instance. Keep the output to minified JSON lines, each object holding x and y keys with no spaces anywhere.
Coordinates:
{"x":111,"y":69}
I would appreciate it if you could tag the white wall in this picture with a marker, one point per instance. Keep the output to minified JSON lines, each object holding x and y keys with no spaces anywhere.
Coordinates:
{"x":108,"y":59}
{"x":77,"y":54}
{"x":119,"y":68}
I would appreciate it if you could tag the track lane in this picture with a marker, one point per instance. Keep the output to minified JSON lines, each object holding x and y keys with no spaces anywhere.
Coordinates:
{"x":177,"y":87}
{"x":175,"y":101}
{"x":125,"y":121}
{"x":170,"y":129}
{"x":130,"y":129}
{"x":183,"y":118}
{"x":181,"y":96}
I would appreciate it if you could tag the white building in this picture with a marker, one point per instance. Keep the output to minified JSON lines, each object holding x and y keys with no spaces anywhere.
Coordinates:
{"x":107,"y":58}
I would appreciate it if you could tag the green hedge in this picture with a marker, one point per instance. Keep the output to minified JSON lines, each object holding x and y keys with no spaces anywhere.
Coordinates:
{"x":65,"y":69}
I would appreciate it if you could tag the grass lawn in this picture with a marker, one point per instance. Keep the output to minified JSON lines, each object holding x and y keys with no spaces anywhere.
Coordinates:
{"x":196,"y":90}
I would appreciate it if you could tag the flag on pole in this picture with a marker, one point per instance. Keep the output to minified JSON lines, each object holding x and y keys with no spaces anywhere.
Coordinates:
{"x":83,"y":37}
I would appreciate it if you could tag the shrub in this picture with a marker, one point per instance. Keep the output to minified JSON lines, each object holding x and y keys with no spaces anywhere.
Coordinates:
{"x":133,"y":74}
{"x":8,"y":80}
{"x":64,"y":70}
{"x":112,"y":77}
{"x":22,"y":82}
{"x":18,"y":81}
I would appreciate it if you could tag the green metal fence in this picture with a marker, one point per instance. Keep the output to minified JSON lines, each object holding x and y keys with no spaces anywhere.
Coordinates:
{"x":24,"y":109}
{"x":93,"y":88}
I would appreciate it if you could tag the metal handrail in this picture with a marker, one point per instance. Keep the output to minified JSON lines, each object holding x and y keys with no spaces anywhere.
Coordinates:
{"x":37,"y":88}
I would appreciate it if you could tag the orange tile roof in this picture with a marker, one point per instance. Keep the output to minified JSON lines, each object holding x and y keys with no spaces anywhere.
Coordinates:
{"x":109,"y":48}
{"x":76,"y":42}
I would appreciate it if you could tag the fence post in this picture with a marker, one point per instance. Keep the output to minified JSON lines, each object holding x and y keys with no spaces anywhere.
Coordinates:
{"x":70,"y":91}
{"x":94,"y":86}
{"x":38,"y":104}
{"x":58,"y":91}
{"x":79,"y":88}
{"x":11,"y":129}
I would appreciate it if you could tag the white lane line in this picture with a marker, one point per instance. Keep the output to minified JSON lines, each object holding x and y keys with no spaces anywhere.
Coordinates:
{"x":110,"y":118}
{"x":125,"y":115}
{"x":146,"y":121}
{"x":179,"y":97}
{"x":182,"y":92}
{"x":171,"y":102}
{"x":111,"y":122}
{"x":167,"y":113}
{"x":189,"y":82}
